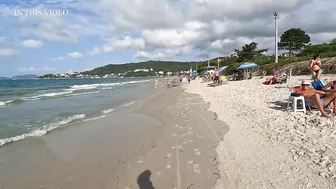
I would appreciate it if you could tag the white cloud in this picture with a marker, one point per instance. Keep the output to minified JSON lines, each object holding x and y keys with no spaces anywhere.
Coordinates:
{"x":75,"y":55}
{"x":162,"y":54}
{"x":58,"y":58}
{"x":8,"y":52}
{"x":126,"y":43}
{"x":31,"y":43}
{"x":32,"y":69}
{"x":161,"y":29}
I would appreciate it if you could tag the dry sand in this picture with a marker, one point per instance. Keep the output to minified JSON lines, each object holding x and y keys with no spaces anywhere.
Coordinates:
{"x":169,"y":142}
{"x":268,"y":146}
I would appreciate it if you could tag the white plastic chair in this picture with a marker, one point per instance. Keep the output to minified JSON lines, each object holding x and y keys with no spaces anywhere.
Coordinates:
{"x":294,"y":101}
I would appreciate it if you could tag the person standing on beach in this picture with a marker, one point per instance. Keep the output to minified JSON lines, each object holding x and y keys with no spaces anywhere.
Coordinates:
{"x":166,"y":81}
{"x":316,"y":68}
{"x":156,"y":83}
{"x":216,"y":77}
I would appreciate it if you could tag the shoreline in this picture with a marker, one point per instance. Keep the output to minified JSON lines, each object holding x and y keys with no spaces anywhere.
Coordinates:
{"x":263,"y":148}
{"x":73,"y":118}
{"x":165,"y":135}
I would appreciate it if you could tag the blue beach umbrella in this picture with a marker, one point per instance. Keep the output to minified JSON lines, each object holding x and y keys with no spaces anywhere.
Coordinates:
{"x":222,"y":69}
{"x":247,"y":65}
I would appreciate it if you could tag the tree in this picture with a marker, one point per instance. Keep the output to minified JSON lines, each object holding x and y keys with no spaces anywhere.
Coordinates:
{"x":293,"y":40}
{"x":333,"y":41}
{"x":249,"y":51}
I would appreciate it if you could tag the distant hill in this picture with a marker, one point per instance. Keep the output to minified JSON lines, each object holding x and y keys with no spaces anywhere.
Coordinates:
{"x":4,"y":78}
{"x":29,"y":76}
{"x":157,"y":66}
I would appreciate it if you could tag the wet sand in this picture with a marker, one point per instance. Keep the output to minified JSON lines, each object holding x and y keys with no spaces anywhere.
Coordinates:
{"x":167,"y":142}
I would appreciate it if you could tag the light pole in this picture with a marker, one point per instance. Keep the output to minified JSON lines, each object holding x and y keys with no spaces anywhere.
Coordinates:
{"x":275,"y":14}
{"x":218,"y":63}
{"x":208,"y":61}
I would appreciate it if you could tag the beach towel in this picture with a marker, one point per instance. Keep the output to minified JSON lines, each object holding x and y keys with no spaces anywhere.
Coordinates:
{"x":295,"y":89}
{"x":318,"y":85}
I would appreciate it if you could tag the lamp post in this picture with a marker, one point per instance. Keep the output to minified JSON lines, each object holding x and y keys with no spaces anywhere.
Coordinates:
{"x":208,"y":61}
{"x":275,"y":14}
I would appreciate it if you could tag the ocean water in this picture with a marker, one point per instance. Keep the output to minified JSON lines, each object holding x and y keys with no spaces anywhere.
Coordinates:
{"x":32,"y":108}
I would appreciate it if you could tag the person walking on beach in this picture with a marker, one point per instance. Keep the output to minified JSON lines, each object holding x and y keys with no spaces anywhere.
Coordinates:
{"x":316,"y":68}
{"x":156,"y":83}
{"x":166,"y":81}
{"x":188,"y":79}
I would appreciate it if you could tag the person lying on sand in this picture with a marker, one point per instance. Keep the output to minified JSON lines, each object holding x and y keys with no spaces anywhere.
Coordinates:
{"x":315,"y":96}
{"x":272,"y":80}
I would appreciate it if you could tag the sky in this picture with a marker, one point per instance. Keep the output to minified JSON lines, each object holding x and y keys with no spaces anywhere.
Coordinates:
{"x":59,"y":36}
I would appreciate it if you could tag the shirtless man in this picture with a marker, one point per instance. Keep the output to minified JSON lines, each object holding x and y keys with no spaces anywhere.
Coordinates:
{"x":319,"y":98}
{"x":216,"y":77}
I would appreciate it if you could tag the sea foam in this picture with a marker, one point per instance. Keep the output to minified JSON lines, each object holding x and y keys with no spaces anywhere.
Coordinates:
{"x":44,"y":130}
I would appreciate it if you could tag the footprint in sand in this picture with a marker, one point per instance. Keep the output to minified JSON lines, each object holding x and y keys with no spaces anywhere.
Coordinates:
{"x":140,"y":160}
{"x":174,"y":135}
{"x":197,"y":169}
{"x":158,"y":173}
{"x":184,"y":142}
{"x":197,"y":152}
{"x":168,"y":166}
{"x":169,"y":155}
{"x":190,"y":161}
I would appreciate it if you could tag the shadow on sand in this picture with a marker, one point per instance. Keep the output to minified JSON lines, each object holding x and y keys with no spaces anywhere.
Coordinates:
{"x":144,"y":180}
{"x":280,"y":105}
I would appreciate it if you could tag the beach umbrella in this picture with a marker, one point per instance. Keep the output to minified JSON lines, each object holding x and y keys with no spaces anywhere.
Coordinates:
{"x":247,"y":65}
{"x":222,"y":69}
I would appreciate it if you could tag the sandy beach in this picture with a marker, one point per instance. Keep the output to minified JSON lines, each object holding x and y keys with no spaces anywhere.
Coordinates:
{"x":238,"y":135}
{"x":168,"y":141}
{"x":268,"y":146}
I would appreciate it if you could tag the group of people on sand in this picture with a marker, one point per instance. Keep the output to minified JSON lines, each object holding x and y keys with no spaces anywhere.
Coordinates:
{"x":216,"y":77}
{"x":165,"y":82}
{"x":321,"y":98}
{"x":318,"y":98}
{"x":315,"y":67}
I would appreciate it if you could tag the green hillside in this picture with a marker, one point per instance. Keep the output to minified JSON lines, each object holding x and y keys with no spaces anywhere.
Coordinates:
{"x":157,"y":66}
